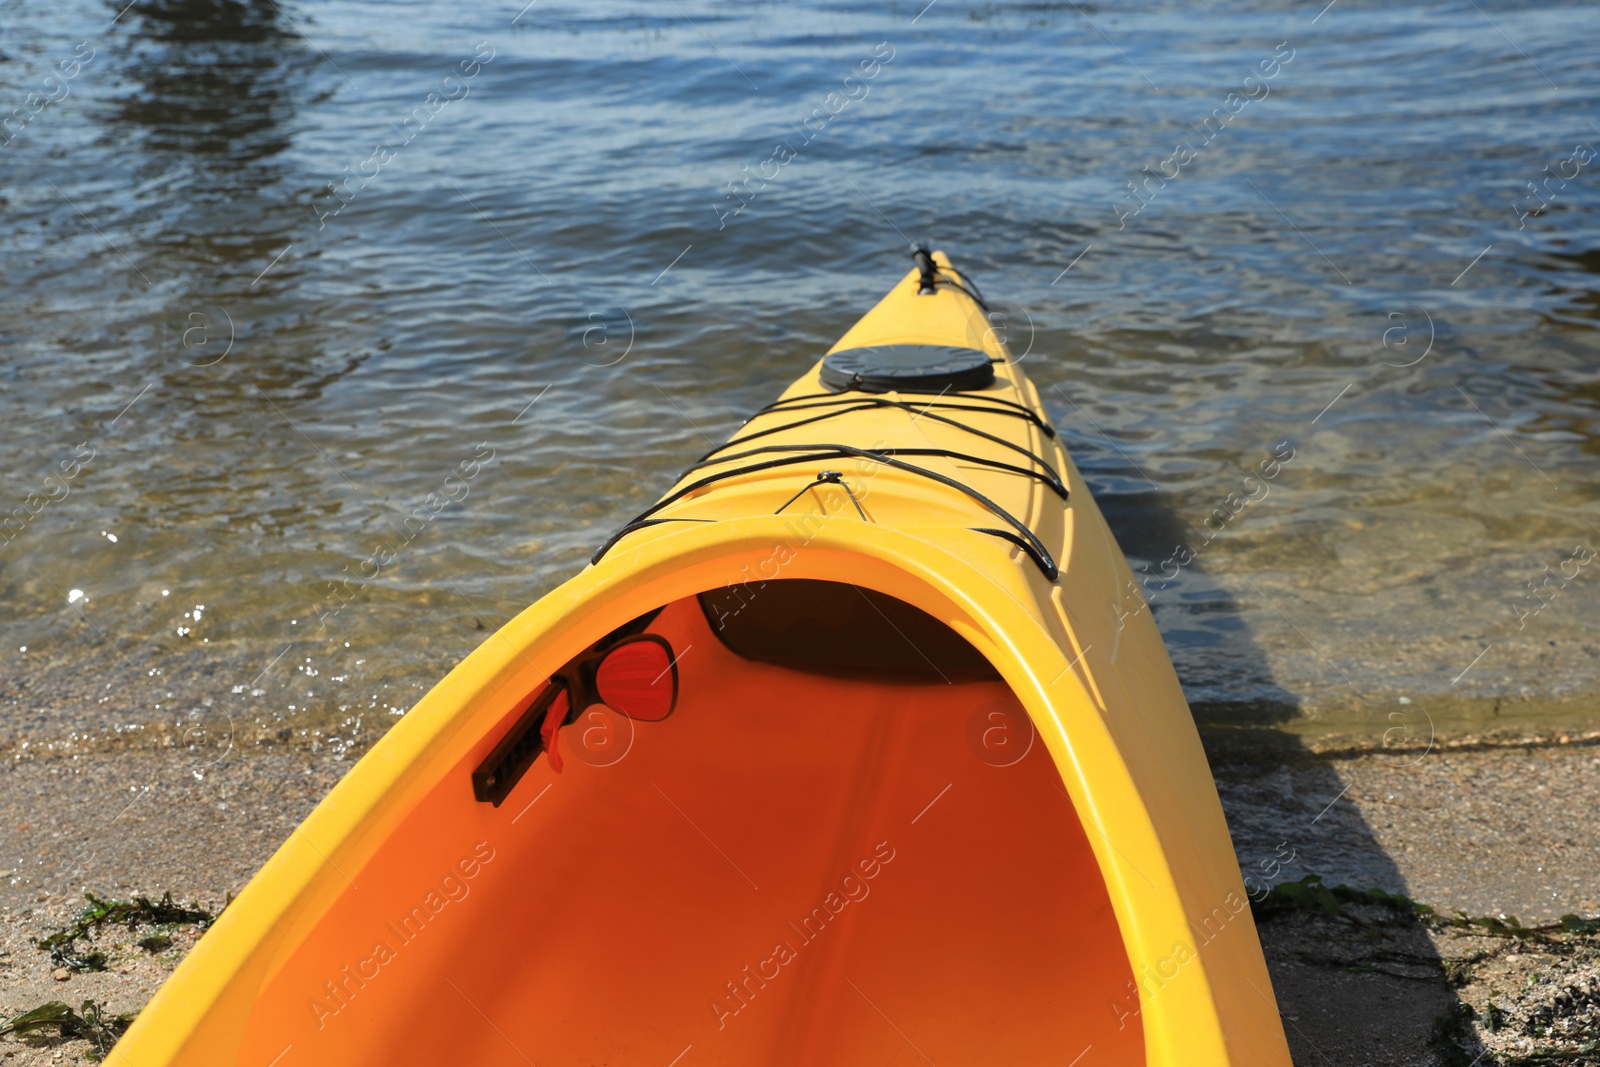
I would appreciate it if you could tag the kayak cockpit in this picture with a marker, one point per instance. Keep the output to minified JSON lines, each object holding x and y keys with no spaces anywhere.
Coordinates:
{"x":844,"y":844}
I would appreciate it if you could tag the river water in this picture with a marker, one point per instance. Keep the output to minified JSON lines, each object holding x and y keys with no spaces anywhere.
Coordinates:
{"x":271,"y":273}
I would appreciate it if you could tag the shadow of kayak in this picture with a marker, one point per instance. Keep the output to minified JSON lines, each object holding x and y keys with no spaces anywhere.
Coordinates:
{"x":1352,"y":993}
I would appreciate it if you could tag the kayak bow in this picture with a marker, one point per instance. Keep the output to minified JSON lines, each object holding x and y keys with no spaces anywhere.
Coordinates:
{"x":860,"y":738}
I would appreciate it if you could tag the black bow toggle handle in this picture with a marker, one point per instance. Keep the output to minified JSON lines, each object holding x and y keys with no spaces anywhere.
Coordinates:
{"x":927,"y":268}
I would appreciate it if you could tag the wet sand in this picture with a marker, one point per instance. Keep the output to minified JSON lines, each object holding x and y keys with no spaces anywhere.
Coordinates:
{"x":1489,"y":829}
{"x":1486,"y":828}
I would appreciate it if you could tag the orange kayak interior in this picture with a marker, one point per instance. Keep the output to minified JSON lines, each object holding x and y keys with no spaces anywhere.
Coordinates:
{"x":843,"y":846}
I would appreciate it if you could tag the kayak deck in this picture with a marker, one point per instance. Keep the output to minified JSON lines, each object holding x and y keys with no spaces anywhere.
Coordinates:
{"x":977,"y":462}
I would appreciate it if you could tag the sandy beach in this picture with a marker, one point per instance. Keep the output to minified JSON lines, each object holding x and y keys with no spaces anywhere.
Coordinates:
{"x":1481,"y":830}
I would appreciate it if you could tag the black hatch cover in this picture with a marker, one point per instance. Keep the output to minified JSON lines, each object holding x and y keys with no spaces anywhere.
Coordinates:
{"x":908,"y":369}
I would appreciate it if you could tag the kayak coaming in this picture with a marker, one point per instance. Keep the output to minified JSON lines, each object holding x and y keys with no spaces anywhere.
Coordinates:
{"x":1094,"y":678}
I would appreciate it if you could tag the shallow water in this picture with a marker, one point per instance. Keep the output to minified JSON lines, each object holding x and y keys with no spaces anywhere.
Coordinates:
{"x":542,"y":279}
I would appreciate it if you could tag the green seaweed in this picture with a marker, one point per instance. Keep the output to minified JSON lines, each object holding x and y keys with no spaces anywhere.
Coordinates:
{"x":1311,"y":894}
{"x":155,"y":942}
{"x":90,"y":1021}
{"x":140,"y":911}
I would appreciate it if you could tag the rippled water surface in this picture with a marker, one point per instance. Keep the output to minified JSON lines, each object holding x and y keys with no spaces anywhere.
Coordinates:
{"x":226,"y":382}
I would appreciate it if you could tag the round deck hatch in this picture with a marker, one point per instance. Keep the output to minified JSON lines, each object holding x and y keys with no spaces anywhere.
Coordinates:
{"x":908,"y":369}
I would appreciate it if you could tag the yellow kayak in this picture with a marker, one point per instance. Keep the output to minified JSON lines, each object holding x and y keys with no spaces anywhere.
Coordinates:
{"x":857,"y":747}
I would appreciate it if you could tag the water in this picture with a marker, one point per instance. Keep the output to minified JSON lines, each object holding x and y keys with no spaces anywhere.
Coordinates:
{"x":517,"y":319}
